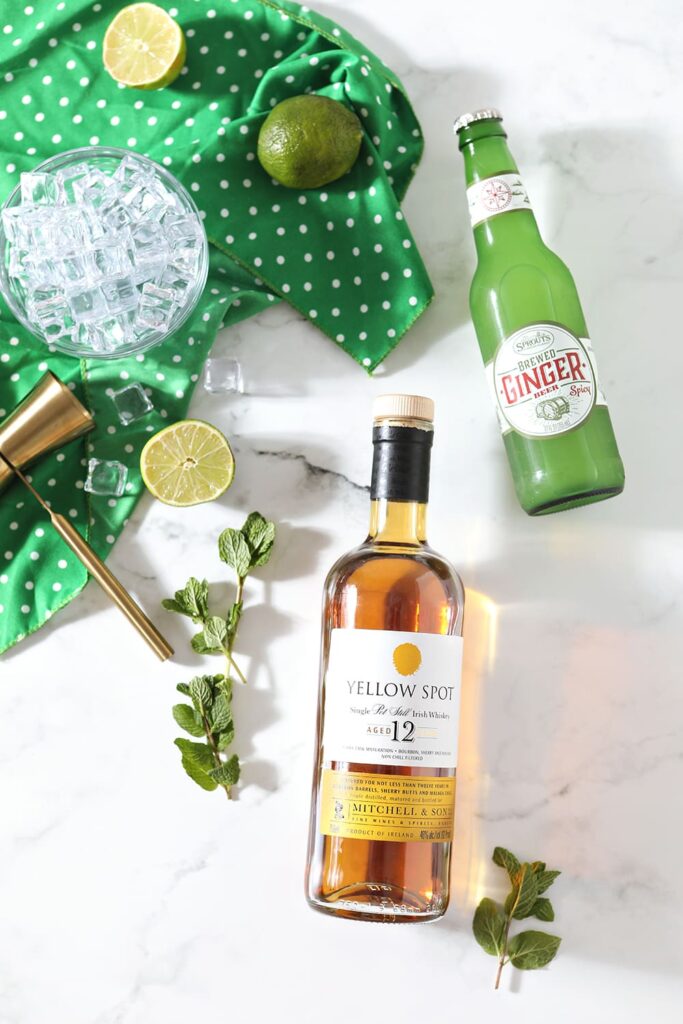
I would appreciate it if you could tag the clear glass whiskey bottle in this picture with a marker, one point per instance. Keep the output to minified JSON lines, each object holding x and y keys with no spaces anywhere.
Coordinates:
{"x":384,"y":779}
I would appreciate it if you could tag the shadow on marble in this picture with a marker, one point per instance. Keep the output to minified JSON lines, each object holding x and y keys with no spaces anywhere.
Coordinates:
{"x":611,"y":219}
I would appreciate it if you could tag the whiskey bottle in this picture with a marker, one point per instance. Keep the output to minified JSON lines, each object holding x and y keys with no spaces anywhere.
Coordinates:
{"x":384,"y":781}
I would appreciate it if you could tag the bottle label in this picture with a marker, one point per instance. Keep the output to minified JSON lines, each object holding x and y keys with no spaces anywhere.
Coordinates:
{"x":391,"y":808}
{"x":499,"y":194}
{"x":392,"y":698}
{"x":544,"y":381}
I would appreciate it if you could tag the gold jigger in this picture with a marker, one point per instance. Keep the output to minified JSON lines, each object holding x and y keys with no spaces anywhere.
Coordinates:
{"x":48,"y":417}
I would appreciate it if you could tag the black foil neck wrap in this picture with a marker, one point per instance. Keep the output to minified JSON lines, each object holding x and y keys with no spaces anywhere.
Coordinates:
{"x":400,"y":465}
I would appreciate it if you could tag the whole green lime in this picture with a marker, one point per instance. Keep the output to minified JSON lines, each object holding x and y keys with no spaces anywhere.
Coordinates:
{"x":309,"y":141}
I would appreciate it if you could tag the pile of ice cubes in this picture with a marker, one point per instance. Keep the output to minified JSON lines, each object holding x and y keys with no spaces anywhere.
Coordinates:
{"x":103,"y":260}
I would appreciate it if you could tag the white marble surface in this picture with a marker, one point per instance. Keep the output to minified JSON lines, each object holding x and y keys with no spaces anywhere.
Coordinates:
{"x":128,"y":896}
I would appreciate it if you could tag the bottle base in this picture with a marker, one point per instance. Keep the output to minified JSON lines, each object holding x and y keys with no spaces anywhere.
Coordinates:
{"x":379,"y":902}
{"x":573,"y":501}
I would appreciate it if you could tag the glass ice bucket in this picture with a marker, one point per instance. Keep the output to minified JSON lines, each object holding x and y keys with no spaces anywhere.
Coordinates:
{"x":83,"y":341}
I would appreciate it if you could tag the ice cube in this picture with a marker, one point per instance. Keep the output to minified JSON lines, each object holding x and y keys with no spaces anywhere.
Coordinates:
{"x":87,"y":302}
{"x":223,"y":374}
{"x":180,"y":228}
{"x":106,"y":477}
{"x":94,"y":188}
{"x":149,"y":244}
{"x":157,"y":306}
{"x":115,"y":216}
{"x":150,"y":272}
{"x":176,"y":279}
{"x":76,"y":267}
{"x":39,"y":270}
{"x":119,"y":293}
{"x":48,"y":308}
{"x":143,"y":204}
{"x":93,"y":336}
{"x":38,"y":187}
{"x":91,"y":224}
{"x":67,"y":178}
{"x":127,"y":171}
{"x":18,"y":222}
{"x":131,"y":403}
{"x":19,"y":262}
{"x":110,"y":256}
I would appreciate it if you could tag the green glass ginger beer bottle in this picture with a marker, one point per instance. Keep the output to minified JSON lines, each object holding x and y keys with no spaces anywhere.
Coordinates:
{"x":533,"y":337}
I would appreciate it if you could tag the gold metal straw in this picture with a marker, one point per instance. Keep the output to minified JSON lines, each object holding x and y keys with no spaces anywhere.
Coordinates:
{"x":98,"y":570}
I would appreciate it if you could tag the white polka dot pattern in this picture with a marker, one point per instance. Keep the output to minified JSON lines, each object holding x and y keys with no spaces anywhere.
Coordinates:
{"x":342,"y":256}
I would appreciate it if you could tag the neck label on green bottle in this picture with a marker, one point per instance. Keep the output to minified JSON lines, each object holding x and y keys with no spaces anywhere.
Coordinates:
{"x":498,"y":194}
{"x":544,"y":380}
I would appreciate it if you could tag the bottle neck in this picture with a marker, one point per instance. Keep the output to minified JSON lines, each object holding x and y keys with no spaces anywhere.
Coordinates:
{"x":485,"y":151}
{"x":399,"y":491}
{"x":398,"y":522}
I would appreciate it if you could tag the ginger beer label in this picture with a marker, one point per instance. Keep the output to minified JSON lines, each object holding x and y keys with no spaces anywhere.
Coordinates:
{"x":392,"y":698}
{"x":544,"y":381}
{"x":390,"y":808}
{"x":499,"y":194}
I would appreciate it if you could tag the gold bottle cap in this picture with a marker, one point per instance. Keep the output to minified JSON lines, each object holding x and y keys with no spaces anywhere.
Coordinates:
{"x":403,"y":407}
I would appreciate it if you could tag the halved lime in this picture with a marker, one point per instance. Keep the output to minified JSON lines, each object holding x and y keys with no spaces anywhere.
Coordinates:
{"x":187,"y":463}
{"x":144,"y":48}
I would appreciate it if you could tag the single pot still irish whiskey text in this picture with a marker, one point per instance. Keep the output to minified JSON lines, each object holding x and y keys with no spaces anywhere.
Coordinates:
{"x":384,"y":780}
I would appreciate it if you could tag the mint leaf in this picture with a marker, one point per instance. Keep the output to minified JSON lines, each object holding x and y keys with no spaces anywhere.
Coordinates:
{"x":197,"y":761}
{"x":201,"y":692}
{"x":225,"y":738}
{"x":543,"y":910}
{"x":234,"y":551}
{"x":259,"y":534}
{"x":183,"y":688}
{"x":228,"y":773}
{"x":215,"y":632}
{"x":221,"y":713}
{"x":224,"y":686}
{"x":545,"y":879}
{"x":199,"y":645}
{"x":532,"y":949}
{"x":192,"y":600}
{"x":524,"y":893}
{"x":488,"y":925}
{"x":504,"y":859}
{"x":188,"y":719}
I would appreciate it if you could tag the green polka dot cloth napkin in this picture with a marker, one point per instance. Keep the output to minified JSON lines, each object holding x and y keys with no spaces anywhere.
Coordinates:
{"x":343,"y":255}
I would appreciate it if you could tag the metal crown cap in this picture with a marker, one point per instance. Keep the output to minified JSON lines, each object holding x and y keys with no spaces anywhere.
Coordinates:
{"x":485,"y":114}
{"x":403,"y":407}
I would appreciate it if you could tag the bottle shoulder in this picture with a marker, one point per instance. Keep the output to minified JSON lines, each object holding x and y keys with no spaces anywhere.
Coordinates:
{"x":392,"y":567}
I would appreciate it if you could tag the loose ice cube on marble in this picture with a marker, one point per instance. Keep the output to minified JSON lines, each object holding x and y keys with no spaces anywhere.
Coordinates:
{"x":223,"y":374}
{"x":106,"y":477}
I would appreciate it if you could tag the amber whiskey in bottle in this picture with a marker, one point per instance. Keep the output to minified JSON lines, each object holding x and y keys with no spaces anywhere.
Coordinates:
{"x":384,"y":781}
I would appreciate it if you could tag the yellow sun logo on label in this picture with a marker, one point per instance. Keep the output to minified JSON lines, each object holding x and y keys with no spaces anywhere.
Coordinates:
{"x":407,"y":659}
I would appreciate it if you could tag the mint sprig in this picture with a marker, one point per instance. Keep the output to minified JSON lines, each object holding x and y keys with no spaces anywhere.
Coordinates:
{"x":209,"y":715}
{"x":526,"y":950}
